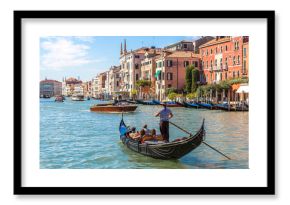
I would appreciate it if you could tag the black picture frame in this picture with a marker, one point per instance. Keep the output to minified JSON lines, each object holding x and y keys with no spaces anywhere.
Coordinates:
{"x":19,"y":189}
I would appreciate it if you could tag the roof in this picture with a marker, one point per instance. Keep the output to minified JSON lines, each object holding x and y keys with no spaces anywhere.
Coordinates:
{"x":184,"y":54}
{"x":174,"y":44}
{"x":49,"y":81}
{"x":215,"y":41}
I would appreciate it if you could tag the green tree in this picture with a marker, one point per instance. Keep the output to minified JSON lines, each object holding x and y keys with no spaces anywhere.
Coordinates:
{"x":188,"y":78}
{"x":171,"y":90}
{"x":195,"y":79}
{"x":172,"y":96}
{"x":191,"y":96}
{"x":143,"y":83}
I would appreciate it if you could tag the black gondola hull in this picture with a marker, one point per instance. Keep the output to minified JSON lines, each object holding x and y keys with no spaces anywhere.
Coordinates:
{"x":171,"y":150}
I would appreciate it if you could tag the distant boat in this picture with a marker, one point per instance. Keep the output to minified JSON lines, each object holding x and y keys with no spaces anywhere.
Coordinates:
{"x":113,"y":108}
{"x":77,"y":98}
{"x":59,"y":98}
{"x":227,"y":107}
{"x":172,"y":104}
{"x":145,"y":102}
{"x":191,"y":105}
{"x":209,"y":106}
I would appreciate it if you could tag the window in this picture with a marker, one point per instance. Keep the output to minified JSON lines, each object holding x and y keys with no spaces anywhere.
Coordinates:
{"x":169,"y":85}
{"x":136,"y":66}
{"x":238,"y":60}
{"x":211,"y":64}
{"x":169,"y":76}
{"x":137,"y":56}
{"x":226,"y":48}
{"x":117,"y":83}
{"x":210,"y":51}
{"x":184,"y":45}
{"x":221,"y":49}
{"x":185,"y":63}
{"x":207,"y":52}
{"x":216,"y":50}
{"x":169,"y":63}
{"x":137,"y":77}
{"x":245,"y":52}
{"x":244,"y":66}
{"x":215,"y":62}
{"x":196,"y":64}
{"x":238,"y":73}
{"x":234,"y":60}
{"x":234,"y":74}
{"x":226,"y":75}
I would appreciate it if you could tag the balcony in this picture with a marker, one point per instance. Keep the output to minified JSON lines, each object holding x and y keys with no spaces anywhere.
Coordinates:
{"x":216,"y":68}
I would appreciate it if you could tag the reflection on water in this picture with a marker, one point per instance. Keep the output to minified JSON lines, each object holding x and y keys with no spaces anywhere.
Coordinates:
{"x":73,"y":137}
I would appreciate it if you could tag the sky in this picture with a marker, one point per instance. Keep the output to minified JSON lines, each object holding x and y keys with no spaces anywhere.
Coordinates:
{"x":86,"y":56}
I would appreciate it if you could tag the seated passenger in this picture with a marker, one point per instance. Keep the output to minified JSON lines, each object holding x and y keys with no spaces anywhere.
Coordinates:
{"x":156,"y":137}
{"x":147,"y":131}
{"x":137,"y":135}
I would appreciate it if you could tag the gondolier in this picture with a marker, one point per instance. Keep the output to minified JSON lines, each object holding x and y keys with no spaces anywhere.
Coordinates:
{"x":165,"y":114}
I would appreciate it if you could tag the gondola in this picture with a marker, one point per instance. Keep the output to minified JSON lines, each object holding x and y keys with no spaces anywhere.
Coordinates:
{"x":209,"y":106}
{"x":168,"y":103}
{"x":165,"y":151}
{"x":145,"y":102}
{"x":191,"y":105}
{"x":227,"y":107}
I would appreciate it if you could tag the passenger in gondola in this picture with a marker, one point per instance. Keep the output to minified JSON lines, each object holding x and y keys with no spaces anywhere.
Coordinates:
{"x":147,"y":131}
{"x":165,"y":114}
{"x":137,"y":135}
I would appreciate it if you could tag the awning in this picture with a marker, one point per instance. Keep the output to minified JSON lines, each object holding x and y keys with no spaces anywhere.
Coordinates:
{"x":243,"y":89}
{"x":157,"y":73}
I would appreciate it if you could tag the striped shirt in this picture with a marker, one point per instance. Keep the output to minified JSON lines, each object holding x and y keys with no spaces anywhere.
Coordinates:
{"x":164,"y":114}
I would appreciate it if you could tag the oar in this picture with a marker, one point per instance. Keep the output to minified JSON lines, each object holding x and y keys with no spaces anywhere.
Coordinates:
{"x":202,"y":142}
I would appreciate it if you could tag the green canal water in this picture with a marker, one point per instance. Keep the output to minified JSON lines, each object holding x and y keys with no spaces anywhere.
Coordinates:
{"x":73,"y":137}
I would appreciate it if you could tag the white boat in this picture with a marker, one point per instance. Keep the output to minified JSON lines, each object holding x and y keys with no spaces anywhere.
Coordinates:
{"x":77,"y":98}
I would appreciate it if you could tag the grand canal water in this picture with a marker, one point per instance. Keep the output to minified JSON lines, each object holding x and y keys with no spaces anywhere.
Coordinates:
{"x":73,"y":137}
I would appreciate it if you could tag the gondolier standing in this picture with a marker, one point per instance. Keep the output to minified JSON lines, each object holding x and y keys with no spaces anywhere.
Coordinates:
{"x":165,"y":114}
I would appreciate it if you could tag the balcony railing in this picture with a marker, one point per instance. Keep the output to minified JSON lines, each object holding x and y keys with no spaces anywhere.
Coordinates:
{"x":216,"y":68}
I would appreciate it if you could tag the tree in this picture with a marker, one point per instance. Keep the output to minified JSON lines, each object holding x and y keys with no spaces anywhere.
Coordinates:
{"x":143,"y":83}
{"x":134,"y":93}
{"x":191,"y":96}
{"x":172,"y":96}
{"x":195,"y":79}
{"x":188,"y":78}
{"x":171,"y":90}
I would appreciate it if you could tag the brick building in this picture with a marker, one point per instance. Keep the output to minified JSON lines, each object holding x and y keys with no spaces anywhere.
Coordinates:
{"x":223,"y":57}
{"x":171,"y":69}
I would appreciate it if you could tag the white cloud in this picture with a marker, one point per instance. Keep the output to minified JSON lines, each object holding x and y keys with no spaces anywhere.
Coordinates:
{"x":63,"y":52}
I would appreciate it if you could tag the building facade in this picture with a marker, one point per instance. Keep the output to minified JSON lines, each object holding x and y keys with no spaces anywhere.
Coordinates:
{"x":148,"y":71}
{"x":114,"y":81}
{"x":222,"y":58}
{"x":171,"y":69}
{"x":68,"y":86}
{"x":130,"y":63}
{"x":50,"y":88}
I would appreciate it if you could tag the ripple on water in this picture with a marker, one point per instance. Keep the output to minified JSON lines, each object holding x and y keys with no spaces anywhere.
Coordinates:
{"x":73,"y":137}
